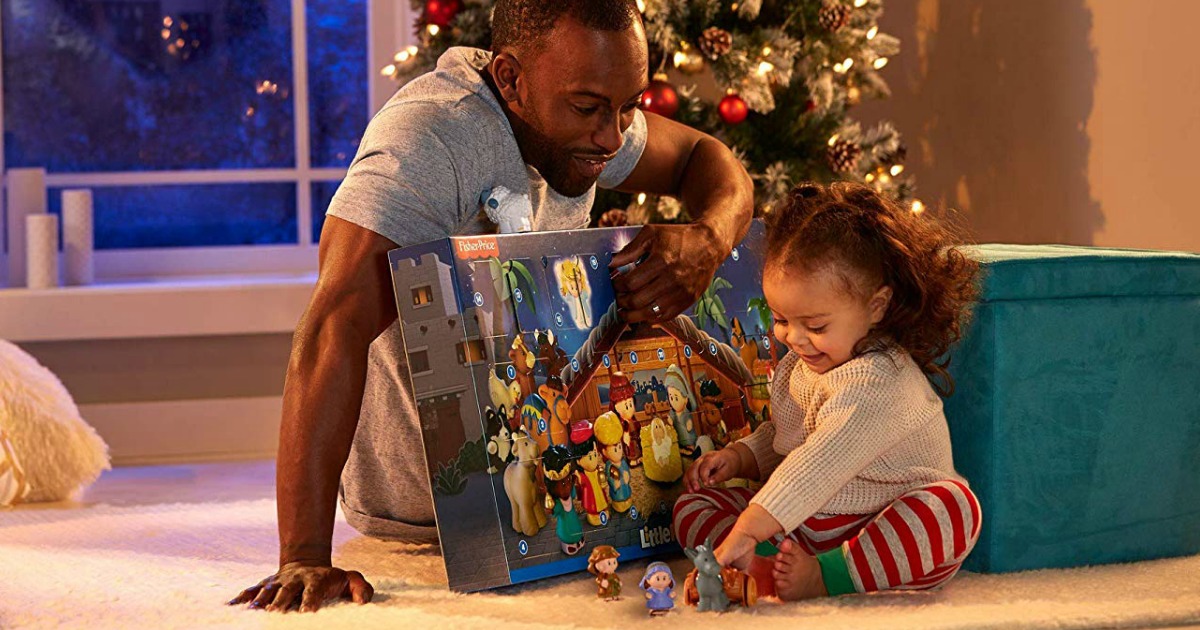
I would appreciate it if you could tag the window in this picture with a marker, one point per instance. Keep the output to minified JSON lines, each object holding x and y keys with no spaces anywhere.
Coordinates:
{"x":471,"y":351}
{"x":209,"y":130}
{"x":422,"y":295}
{"x":418,"y":362}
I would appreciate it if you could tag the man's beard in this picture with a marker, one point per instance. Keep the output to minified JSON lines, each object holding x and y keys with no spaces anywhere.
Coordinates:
{"x":551,"y":161}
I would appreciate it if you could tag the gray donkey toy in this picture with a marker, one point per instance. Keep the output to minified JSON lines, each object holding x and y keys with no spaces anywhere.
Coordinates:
{"x":709,"y":584}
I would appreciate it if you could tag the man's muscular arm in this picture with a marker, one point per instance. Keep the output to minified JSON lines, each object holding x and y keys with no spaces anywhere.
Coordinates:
{"x":350,"y":307}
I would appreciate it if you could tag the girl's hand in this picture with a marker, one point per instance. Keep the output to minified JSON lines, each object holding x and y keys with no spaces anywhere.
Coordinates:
{"x":737,"y":550}
{"x":712,"y":468}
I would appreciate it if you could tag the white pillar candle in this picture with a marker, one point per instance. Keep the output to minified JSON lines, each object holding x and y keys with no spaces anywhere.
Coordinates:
{"x":78,"y":267}
{"x":26,"y":195}
{"x":41,"y":241}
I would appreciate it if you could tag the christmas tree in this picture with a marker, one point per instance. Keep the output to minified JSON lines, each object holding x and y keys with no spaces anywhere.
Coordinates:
{"x":773,"y":79}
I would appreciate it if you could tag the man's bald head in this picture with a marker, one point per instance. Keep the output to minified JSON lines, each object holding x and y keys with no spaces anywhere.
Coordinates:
{"x":523,"y":24}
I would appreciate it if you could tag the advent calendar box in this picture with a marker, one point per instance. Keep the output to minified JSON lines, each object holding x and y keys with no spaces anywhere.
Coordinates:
{"x":551,"y":426}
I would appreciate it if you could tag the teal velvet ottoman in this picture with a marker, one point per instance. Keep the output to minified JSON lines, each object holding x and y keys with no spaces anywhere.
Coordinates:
{"x":1076,"y":416}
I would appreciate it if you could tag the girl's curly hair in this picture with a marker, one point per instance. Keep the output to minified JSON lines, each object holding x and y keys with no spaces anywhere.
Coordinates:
{"x":854,"y":228}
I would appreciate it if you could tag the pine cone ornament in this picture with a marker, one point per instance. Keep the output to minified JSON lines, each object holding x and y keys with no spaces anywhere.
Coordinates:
{"x":715,"y":42}
{"x":833,"y":16}
{"x":613,"y":218}
{"x":843,"y":156}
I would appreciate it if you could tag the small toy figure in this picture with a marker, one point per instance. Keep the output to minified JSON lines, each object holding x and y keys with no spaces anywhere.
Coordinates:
{"x":664,"y":463}
{"x":603,"y":564}
{"x":507,"y":398}
{"x":581,"y":431}
{"x":499,"y":446}
{"x":560,"y":411}
{"x":712,"y":588}
{"x":552,"y":356}
{"x":558,"y":466}
{"x":535,"y":419}
{"x":659,"y":585}
{"x":593,"y":491}
{"x":712,"y":423}
{"x":616,"y":468}
{"x":523,"y":361}
{"x":682,"y":405}
{"x":521,"y":486}
{"x":511,"y":212}
{"x":573,"y":284}
{"x":620,"y":402}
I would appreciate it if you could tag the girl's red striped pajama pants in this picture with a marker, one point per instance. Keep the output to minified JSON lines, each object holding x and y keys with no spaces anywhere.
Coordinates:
{"x":917,"y":542}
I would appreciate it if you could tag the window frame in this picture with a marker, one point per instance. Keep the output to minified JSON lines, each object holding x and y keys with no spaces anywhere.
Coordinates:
{"x":389,"y":28}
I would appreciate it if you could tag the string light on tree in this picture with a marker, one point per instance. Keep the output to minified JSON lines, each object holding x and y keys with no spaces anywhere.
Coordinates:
{"x":880,"y":63}
{"x":917,"y":206}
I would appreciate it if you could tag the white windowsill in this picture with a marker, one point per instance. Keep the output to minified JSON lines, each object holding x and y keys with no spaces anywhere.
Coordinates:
{"x":174,"y":307}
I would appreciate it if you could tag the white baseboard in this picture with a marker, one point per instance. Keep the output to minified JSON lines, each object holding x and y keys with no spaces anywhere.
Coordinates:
{"x":176,"y":431}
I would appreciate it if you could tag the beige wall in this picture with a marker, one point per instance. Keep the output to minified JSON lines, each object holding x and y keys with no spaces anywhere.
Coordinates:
{"x":1065,"y":121}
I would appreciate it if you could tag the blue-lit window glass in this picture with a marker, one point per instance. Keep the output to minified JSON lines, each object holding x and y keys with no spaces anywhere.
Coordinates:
{"x":137,"y":85}
{"x":192,"y":215}
{"x":322,"y":194}
{"x":337,"y":79}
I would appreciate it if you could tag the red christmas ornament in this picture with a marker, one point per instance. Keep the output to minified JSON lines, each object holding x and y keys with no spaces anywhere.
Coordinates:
{"x":661,"y":98}
{"x":733,"y":109}
{"x":441,"y":12}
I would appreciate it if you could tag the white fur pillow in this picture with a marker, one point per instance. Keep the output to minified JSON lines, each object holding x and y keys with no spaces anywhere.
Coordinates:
{"x":58,"y":450}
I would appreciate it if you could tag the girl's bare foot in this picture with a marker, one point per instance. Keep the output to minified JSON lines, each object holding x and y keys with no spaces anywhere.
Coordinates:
{"x":797,"y":574}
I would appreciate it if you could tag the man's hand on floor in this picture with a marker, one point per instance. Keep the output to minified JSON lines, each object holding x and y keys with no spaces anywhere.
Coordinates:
{"x":307,"y":587}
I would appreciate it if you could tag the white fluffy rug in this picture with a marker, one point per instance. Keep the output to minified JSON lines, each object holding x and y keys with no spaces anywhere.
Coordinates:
{"x":162,"y":566}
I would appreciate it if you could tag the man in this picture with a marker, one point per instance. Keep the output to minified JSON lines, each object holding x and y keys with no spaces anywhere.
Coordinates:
{"x":552,"y":111}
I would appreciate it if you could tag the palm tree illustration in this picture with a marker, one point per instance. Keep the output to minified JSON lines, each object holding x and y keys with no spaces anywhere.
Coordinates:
{"x":759,"y":307}
{"x":507,"y":278}
{"x":710,"y":308}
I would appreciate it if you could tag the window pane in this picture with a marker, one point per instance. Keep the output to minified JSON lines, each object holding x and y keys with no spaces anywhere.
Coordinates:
{"x":337,"y":79}
{"x":132,"y":85}
{"x":322,"y":194}
{"x":201,"y":216}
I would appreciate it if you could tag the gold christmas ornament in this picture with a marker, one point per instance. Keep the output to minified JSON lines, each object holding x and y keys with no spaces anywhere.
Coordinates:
{"x":687,"y":60}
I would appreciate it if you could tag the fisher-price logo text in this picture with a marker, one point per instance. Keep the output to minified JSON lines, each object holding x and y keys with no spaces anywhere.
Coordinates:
{"x":483,"y":247}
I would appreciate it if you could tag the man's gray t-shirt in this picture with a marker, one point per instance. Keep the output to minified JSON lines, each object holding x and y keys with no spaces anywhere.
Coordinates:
{"x":425,"y":161}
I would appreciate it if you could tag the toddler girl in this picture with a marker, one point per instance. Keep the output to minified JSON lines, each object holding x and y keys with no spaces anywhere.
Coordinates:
{"x":861,"y":493}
